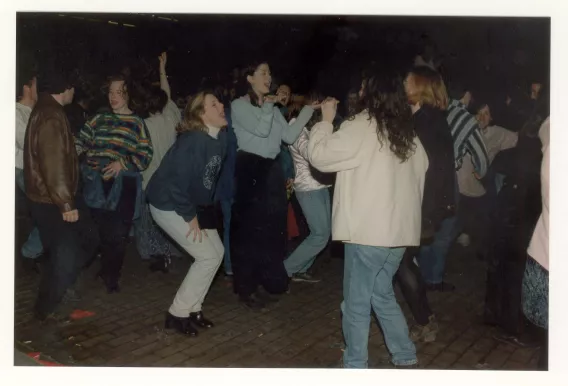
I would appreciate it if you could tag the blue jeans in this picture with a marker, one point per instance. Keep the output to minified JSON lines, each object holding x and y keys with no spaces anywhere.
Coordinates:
{"x":226,"y":209}
{"x":367,"y":283}
{"x":432,"y":258}
{"x":317,"y":210}
{"x":32,"y":248}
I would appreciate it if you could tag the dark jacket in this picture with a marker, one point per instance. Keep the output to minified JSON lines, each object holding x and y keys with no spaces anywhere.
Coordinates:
{"x":226,"y":184}
{"x":77,"y":117}
{"x":51,"y":167}
{"x":186,"y":179}
{"x":438,"y":201}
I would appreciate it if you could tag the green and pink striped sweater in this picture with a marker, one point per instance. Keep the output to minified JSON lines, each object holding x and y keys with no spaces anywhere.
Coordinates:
{"x":117,"y":136}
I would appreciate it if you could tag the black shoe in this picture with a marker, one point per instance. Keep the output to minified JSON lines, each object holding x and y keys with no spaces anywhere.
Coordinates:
{"x":111,"y":283}
{"x":198,"y":319}
{"x":162,"y":263}
{"x":32,"y":265}
{"x":265,"y":297}
{"x":252,"y":303}
{"x":181,"y":325}
{"x":441,"y":287}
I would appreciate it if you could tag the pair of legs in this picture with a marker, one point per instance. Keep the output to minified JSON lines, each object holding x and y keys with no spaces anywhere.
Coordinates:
{"x":33,"y":247}
{"x":414,"y":291}
{"x":258,"y":228}
{"x":69,"y":245}
{"x":114,"y":227}
{"x":316,"y":207}
{"x":367,"y":284}
{"x":208,"y":255}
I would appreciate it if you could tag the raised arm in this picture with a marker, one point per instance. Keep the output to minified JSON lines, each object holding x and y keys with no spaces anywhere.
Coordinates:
{"x":334,"y":152}
{"x":291,"y":132}
{"x":255,"y":121}
{"x":478,"y":151}
{"x":164,"y":84}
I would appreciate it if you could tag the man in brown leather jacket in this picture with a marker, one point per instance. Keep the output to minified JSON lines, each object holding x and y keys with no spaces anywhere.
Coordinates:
{"x":51,"y":172}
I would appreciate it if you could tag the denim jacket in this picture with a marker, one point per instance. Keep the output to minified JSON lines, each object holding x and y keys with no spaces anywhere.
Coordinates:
{"x":93,"y":191}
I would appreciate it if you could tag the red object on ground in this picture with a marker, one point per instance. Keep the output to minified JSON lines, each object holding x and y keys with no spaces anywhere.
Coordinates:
{"x":34,"y":355}
{"x":293,"y":230}
{"x":37,"y":355}
{"x":80,"y":314}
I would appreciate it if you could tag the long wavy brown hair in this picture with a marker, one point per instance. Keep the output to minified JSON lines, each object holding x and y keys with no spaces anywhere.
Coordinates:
{"x":384,"y":99}
{"x":192,"y":114}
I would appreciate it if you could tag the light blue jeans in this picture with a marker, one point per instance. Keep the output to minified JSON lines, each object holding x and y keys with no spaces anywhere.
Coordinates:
{"x":226,"y":206}
{"x":367,"y":283}
{"x":317,"y":210}
{"x":33,"y":247}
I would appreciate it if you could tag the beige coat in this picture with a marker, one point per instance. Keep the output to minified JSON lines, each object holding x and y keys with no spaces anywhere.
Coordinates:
{"x":377,"y":199}
{"x":538,"y":248}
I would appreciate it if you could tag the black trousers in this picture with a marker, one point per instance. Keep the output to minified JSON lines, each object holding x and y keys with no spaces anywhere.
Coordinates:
{"x":69,"y":247}
{"x":258,"y":226}
{"x":473,"y":216}
{"x":413,"y":287}
{"x":510,"y":229}
{"x":114,"y":227}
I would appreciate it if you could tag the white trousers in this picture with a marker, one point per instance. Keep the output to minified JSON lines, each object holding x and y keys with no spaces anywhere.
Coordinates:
{"x":208,"y":255}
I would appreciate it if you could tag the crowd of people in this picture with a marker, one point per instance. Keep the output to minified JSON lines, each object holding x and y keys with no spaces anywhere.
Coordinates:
{"x":398,"y":171}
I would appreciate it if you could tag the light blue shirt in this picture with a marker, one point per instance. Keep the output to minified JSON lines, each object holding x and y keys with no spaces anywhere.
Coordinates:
{"x":261,"y":130}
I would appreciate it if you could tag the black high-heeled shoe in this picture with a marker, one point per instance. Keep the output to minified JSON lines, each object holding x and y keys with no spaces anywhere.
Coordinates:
{"x":181,"y":325}
{"x":198,"y":319}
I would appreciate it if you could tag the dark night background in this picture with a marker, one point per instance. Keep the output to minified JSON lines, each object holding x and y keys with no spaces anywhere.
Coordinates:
{"x":323,"y":52}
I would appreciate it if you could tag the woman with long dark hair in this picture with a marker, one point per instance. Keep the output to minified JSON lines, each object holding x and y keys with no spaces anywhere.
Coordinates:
{"x":117,"y":148}
{"x":258,"y":239}
{"x":380,"y":165}
{"x":181,"y":194}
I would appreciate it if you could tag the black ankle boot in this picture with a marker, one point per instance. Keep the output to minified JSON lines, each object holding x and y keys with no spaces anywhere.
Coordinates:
{"x":252,"y":302}
{"x":181,"y":325}
{"x":198,"y":319}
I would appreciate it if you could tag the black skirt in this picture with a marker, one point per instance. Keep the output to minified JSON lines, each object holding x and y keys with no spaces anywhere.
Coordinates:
{"x":258,"y":225}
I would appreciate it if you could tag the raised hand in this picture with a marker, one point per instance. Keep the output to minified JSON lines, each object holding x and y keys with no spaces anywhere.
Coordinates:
{"x":329,"y":109}
{"x":163,"y":58}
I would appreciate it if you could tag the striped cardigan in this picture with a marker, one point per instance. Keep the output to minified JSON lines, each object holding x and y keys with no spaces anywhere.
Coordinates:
{"x":467,"y":137}
{"x":116,"y":136}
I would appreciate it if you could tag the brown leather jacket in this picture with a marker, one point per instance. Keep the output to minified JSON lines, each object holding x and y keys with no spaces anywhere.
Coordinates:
{"x":51,"y":166}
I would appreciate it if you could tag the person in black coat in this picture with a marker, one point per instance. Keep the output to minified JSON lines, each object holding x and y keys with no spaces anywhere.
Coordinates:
{"x":428,"y":98}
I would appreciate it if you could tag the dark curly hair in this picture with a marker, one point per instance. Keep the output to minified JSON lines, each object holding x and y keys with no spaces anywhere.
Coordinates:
{"x":384,"y":99}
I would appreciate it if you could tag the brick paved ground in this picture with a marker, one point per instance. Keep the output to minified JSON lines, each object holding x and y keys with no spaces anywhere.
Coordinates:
{"x":302,"y":330}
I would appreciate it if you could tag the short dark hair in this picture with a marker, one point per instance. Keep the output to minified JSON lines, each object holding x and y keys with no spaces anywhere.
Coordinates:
{"x":54,"y":80}
{"x":156,"y":100}
{"x":24,"y":77}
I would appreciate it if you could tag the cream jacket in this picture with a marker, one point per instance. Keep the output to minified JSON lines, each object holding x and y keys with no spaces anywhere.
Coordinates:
{"x":377,"y":199}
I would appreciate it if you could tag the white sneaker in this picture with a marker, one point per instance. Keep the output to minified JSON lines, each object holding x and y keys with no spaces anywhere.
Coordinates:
{"x":464,"y":240}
